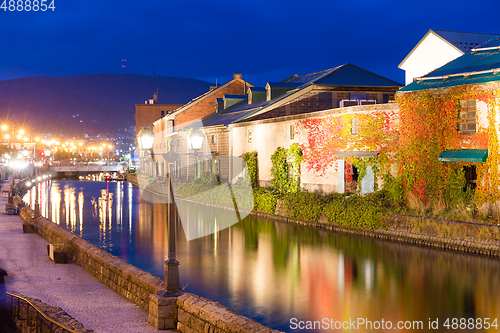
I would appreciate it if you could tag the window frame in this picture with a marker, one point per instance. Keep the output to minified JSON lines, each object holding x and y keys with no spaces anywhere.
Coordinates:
{"x":464,"y":117}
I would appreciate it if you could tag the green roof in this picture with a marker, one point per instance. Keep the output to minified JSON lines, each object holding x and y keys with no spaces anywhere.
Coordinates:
{"x":480,"y":65}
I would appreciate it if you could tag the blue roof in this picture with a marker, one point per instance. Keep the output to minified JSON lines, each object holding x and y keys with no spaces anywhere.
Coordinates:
{"x":234,"y":113}
{"x":470,"y":68}
{"x":311,"y":77}
{"x":283,"y":84}
{"x":344,"y":75}
{"x":350,"y":75}
{"x":464,"y":41}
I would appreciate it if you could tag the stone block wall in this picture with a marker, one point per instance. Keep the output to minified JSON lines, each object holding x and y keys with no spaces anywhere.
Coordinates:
{"x":28,"y":320}
{"x":188,"y":313}
{"x":126,"y":279}
{"x":198,"y":314}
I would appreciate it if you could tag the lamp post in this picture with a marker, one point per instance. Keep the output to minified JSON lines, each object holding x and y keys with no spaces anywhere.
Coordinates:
{"x":145,"y":139}
{"x":37,"y":203}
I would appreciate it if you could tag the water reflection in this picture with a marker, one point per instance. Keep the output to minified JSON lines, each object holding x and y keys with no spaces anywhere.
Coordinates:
{"x":273,"y":272}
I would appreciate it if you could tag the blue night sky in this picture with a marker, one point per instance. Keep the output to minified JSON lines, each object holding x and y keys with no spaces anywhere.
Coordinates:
{"x":264,"y":40}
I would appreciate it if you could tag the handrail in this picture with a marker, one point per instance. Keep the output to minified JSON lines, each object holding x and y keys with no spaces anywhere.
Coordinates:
{"x":41,"y":312}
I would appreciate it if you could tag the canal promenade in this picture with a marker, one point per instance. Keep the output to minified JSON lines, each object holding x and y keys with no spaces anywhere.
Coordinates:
{"x":33,"y":274}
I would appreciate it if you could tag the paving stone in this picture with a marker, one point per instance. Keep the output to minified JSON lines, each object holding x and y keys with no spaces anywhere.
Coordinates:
{"x":68,"y":286}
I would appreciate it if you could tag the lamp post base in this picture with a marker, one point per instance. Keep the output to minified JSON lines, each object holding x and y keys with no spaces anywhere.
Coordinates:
{"x":172,"y":284}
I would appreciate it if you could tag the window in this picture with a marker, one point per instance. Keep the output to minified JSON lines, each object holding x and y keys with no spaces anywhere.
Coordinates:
{"x":354,"y":126}
{"x":249,"y":135}
{"x":162,"y":112}
{"x":214,"y":139}
{"x":325,"y":98}
{"x":467,"y":116}
{"x":292,"y":132}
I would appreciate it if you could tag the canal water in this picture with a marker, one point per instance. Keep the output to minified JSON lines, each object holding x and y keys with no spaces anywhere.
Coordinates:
{"x":286,"y":276}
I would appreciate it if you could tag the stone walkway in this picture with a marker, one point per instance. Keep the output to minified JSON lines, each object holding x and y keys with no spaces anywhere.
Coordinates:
{"x":68,"y":286}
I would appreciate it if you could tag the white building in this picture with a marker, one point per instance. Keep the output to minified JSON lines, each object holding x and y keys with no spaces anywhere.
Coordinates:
{"x":437,"y":48}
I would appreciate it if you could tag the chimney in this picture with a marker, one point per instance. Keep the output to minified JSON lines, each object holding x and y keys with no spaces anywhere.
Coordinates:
{"x":155,"y":98}
{"x":237,"y":76}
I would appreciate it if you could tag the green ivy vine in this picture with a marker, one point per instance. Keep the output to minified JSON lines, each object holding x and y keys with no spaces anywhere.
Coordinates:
{"x":362,"y":164}
{"x":252,"y":161}
{"x":285,"y":160}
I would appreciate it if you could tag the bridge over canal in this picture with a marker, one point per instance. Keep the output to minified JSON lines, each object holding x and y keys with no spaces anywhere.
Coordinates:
{"x":74,"y":170}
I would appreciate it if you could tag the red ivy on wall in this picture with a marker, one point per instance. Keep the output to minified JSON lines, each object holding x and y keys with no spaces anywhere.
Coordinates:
{"x":377,"y":131}
{"x":429,"y":126}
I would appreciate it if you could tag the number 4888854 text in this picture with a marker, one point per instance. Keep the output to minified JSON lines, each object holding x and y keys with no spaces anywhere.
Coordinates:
{"x":27,"y":5}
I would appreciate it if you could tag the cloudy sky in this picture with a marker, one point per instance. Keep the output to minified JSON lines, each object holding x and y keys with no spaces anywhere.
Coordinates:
{"x":264,"y":40}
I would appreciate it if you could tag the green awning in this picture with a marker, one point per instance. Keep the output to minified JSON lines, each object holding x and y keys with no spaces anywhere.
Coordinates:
{"x":464,"y":155}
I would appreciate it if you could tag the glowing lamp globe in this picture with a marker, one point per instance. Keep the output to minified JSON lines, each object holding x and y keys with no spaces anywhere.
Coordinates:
{"x":196,"y":139}
{"x":145,"y":137}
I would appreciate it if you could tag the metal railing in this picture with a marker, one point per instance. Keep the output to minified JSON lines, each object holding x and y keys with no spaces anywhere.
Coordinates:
{"x":21,"y":309}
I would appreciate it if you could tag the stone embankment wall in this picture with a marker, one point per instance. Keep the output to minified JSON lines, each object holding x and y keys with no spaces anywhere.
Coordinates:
{"x":132,"y":179}
{"x":28,"y":322}
{"x":397,"y":233}
{"x":194,"y":313}
{"x":198,"y":314}
{"x":126,"y":279}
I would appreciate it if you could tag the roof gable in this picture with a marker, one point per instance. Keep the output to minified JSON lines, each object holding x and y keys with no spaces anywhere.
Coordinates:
{"x":208,"y":94}
{"x":461,"y":41}
{"x":481,"y":65}
{"x":344,"y":75}
{"x":350,"y":75}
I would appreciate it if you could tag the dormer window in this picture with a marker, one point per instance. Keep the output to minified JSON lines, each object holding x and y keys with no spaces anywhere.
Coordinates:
{"x":467,"y":116}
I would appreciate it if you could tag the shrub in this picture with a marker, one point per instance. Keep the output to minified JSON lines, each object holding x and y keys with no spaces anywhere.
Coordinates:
{"x":265,"y":200}
{"x":357,"y":211}
{"x":306,"y":206}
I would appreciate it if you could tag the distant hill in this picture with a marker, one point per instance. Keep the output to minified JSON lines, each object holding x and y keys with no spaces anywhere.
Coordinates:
{"x":88,"y":104}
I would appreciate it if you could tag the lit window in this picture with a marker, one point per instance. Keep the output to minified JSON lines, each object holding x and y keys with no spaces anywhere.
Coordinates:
{"x":467,"y":116}
{"x":292,"y":132}
{"x":354,"y":126}
{"x":249,"y":135}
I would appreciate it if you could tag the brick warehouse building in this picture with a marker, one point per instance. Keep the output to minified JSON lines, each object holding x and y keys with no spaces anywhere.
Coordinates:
{"x":242,"y":122}
{"x":201,"y":107}
{"x":149,"y":112}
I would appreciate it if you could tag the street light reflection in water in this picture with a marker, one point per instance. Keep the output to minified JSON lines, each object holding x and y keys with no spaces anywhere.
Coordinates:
{"x":273,"y":271}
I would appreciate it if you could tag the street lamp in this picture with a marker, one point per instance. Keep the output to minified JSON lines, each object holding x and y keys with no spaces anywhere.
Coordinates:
{"x":195,"y":142}
{"x":145,"y":138}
